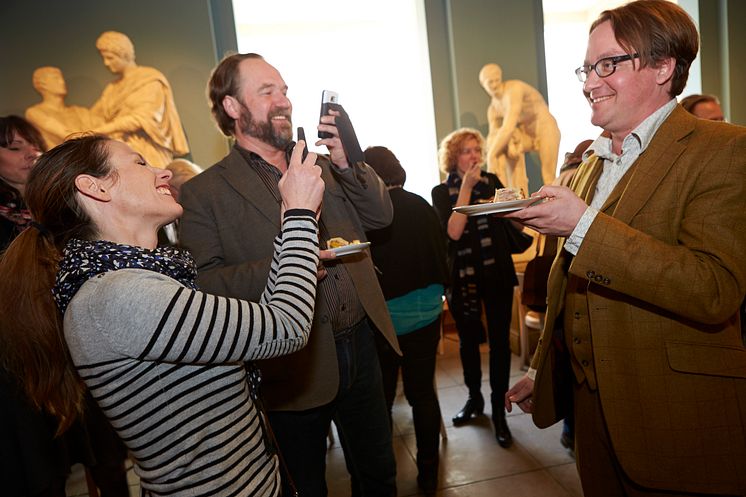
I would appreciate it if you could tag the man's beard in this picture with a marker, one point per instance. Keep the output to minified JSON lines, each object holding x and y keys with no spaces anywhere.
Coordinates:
{"x":263,"y":130}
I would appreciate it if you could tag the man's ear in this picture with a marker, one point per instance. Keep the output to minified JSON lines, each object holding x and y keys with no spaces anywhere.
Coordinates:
{"x":665,"y":70}
{"x":92,"y":187}
{"x":232,"y":106}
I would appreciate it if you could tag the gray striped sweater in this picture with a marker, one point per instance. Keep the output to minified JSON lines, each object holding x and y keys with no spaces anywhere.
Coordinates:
{"x":165,"y":363}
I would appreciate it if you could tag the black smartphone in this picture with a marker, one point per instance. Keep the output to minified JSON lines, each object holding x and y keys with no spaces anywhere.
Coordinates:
{"x":302,"y":136}
{"x":327,"y":97}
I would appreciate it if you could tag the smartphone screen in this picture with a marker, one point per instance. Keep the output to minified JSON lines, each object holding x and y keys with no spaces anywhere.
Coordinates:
{"x":327,"y":97}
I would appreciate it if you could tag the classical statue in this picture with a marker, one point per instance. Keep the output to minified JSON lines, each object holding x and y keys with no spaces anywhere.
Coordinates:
{"x":519,"y":122}
{"x":51,"y":116}
{"x":138,"y":107}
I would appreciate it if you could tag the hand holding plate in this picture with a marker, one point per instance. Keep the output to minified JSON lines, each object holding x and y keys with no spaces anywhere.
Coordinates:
{"x":557,"y":215}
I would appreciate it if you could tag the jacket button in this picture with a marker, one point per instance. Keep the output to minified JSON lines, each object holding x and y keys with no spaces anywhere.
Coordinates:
{"x":324,"y":319}
{"x":590,"y":274}
{"x":576,"y":340}
{"x":577,"y":315}
{"x":585,"y":363}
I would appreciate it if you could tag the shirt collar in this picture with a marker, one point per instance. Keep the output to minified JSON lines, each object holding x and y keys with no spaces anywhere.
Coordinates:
{"x":640,"y":137}
{"x":256,"y":160}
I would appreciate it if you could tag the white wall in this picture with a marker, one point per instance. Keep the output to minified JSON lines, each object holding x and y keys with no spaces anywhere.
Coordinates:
{"x":374,"y":54}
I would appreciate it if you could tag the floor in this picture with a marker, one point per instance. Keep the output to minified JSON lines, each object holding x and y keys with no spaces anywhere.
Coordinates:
{"x":472,"y":464}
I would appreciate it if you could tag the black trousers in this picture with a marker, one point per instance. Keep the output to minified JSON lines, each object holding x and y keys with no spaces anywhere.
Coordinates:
{"x":498,"y":307}
{"x":417,"y":363}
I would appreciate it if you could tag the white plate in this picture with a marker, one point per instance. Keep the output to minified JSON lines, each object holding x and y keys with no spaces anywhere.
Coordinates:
{"x":353,"y":248}
{"x":495,"y":207}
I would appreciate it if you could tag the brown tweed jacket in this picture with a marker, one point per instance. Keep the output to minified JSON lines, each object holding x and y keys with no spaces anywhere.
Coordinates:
{"x":230,"y":220}
{"x":665,"y":265}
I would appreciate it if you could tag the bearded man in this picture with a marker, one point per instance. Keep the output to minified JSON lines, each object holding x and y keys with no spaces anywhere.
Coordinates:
{"x":232,"y":214}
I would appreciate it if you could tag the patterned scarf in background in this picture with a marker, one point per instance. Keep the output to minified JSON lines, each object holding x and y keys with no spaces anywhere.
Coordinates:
{"x":82,"y":260}
{"x":466,"y":260}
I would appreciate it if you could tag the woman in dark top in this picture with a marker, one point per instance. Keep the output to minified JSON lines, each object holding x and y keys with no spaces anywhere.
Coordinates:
{"x":34,"y":462}
{"x":482,"y":272}
{"x":410,"y":255}
{"x":20,"y":146}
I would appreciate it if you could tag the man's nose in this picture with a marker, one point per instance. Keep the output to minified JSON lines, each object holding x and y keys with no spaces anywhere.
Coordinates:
{"x":592,"y":81}
{"x":283,"y":101}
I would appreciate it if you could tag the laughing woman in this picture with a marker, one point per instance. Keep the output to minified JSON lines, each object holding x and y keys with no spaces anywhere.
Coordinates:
{"x":164,"y":361}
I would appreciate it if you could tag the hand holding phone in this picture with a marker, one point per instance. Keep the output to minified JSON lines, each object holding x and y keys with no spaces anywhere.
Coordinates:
{"x":302,"y":136}
{"x":328,"y":99}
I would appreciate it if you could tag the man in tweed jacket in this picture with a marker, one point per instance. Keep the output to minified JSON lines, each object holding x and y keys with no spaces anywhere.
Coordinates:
{"x":642,"y":326}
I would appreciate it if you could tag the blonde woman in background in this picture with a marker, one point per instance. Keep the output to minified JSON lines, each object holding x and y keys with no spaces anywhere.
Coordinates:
{"x":482,"y":272}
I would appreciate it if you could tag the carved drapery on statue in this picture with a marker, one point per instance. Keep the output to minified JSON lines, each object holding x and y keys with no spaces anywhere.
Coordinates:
{"x":140,"y":108}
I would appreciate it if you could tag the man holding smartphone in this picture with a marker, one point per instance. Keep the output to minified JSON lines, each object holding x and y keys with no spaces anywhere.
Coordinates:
{"x":231,"y":216}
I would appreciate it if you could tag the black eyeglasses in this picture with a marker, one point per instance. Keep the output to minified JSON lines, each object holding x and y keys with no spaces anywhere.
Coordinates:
{"x":604,"y":67}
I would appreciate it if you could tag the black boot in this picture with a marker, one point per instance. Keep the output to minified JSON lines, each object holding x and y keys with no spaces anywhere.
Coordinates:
{"x":474,"y":407}
{"x":502,"y":433}
{"x":427,"y":475}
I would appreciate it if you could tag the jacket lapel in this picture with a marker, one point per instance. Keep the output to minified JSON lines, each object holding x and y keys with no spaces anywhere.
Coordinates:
{"x":652,"y":166}
{"x":585,"y":179}
{"x":247,"y":183}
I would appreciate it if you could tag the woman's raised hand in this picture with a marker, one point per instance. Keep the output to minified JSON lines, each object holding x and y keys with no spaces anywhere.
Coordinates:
{"x":472,"y":176}
{"x":301,"y":187}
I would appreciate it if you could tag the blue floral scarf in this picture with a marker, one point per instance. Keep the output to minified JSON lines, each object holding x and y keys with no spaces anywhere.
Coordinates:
{"x":82,"y":260}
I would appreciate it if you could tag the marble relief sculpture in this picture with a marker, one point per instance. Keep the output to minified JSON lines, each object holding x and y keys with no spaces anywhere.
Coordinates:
{"x":52,"y":117}
{"x":138,"y":107}
{"x":519,"y":122}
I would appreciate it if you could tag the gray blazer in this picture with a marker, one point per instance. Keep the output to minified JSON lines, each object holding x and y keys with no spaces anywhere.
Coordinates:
{"x":229,"y":223}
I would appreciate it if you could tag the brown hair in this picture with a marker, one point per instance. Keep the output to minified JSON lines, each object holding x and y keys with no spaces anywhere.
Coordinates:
{"x":8,"y":126}
{"x":451,"y":146}
{"x":16,"y":124}
{"x":691,"y":101}
{"x":32,"y":343}
{"x":386,"y":165}
{"x":656,"y":30}
{"x":225,"y":81}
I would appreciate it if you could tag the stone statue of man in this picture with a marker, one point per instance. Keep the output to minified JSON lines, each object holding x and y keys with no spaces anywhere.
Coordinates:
{"x":138,"y":107}
{"x":51,"y":116}
{"x":519,"y":121}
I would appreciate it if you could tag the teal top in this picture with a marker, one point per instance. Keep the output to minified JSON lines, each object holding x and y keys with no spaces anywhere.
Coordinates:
{"x":416,"y":309}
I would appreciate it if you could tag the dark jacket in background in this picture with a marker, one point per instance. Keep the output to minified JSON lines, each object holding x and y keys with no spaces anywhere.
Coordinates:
{"x":410,"y":253}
